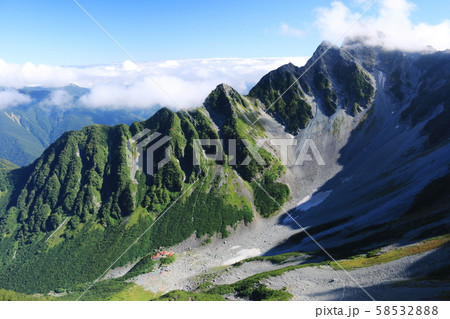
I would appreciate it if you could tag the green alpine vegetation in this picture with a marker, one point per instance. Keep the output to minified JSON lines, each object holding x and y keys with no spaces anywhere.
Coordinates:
{"x":356,"y":86}
{"x":377,"y":257}
{"x":291,"y":109}
{"x":232,"y":115}
{"x":276,"y":259}
{"x":278,"y":194}
{"x":88,"y":203}
{"x":68,"y":216}
{"x":29,"y":128}
{"x":329,"y":97}
{"x":6,"y":169}
{"x":9,"y":295}
{"x":180,"y":295}
{"x":336,"y":71}
{"x":251,"y":287}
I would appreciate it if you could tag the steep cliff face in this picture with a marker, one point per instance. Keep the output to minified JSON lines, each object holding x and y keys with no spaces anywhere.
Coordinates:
{"x":371,"y":126}
{"x":82,"y":199}
{"x":334,"y":80}
{"x":383,"y":159}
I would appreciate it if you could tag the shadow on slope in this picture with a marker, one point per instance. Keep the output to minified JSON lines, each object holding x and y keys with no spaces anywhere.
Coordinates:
{"x":428,"y":281}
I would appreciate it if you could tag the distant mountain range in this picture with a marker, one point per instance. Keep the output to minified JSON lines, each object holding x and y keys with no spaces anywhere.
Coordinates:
{"x":28,"y":129}
{"x":378,"y":118}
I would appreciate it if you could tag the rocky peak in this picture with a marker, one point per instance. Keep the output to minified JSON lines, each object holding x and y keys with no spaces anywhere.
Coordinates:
{"x":224,"y":101}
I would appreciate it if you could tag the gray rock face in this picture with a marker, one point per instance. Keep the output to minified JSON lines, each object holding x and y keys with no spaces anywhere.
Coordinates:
{"x":384,"y":182}
{"x":379,"y":157}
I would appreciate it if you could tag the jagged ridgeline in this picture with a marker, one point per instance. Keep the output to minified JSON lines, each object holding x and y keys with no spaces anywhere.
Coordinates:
{"x":27,"y":129}
{"x":69,"y":215}
{"x":65,"y":218}
{"x":336,"y":79}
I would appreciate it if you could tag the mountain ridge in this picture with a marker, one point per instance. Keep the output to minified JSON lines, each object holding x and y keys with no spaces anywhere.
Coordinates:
{"x":27,"y":129}
{"x":352,"y":113}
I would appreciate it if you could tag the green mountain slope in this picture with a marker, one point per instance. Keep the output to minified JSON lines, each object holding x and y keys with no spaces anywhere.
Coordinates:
{"x":77,"y":208}
{"x":81,"y":206}
{"x":28,"y":129}
{"x":333,"y":80}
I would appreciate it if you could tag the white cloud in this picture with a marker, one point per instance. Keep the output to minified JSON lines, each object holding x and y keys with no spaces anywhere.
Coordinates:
{"x":123,"y":85}
{"x":59,"y":98}
{"x":390,"y":26}
{"x":11,"y":97}
{"x":289,"y":31}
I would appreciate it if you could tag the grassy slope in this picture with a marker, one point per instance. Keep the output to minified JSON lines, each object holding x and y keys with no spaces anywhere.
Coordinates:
{"x":9,"y":295}
{"x":65,"y":260}
{"x":377,"y":257}
{"x":276,"y":259}
{"x":248,"y":288}
{"x":180,"y":295}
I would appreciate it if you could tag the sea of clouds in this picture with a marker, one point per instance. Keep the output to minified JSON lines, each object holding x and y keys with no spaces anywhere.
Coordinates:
{"x":174,"y":83}
{"x":186,"y":83}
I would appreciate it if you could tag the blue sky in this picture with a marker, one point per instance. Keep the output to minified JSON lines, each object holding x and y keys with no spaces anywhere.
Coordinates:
{"x":59,"y":33}
{"x":188,"y":47}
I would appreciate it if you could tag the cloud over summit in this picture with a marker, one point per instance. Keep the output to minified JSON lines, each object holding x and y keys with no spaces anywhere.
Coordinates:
{"x":387,"y":24}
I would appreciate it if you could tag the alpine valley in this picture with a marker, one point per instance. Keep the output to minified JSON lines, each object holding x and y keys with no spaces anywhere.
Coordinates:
{"x":79,"y":223}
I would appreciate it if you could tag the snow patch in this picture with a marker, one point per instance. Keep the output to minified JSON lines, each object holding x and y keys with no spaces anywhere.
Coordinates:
{"x":307,"y":198}
{"x":312,"y":200}
{"x":243,"y":254}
